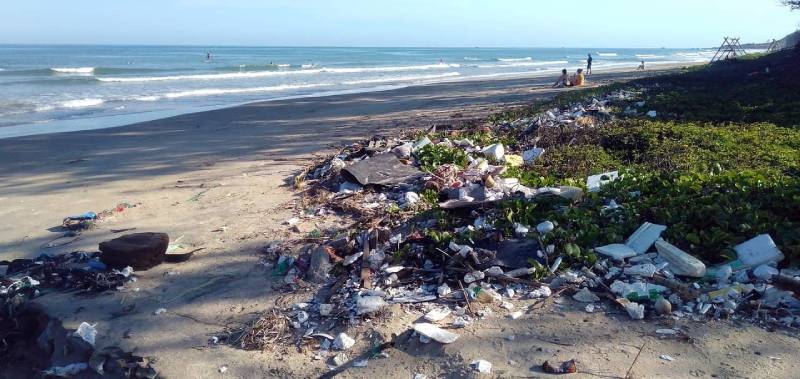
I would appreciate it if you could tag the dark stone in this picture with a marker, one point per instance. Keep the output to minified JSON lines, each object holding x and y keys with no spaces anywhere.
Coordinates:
{"x":319,"y":266}
{"x":141,"y":251}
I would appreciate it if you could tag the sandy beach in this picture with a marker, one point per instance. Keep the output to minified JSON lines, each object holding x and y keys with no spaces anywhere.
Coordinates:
{"x":218,"y":180}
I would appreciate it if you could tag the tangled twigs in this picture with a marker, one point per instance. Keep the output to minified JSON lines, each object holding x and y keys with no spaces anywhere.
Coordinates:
{"x":265,"y":332}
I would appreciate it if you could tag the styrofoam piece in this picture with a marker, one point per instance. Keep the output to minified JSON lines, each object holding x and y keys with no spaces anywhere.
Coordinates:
{"x":758,"y":251}
{"x":532,"y":154}
{"x":594,"y":182}
{"x":616,"y":251}
{"x":680,"y":262}
{"x":435,"y":333}
{"x":643,"y":238}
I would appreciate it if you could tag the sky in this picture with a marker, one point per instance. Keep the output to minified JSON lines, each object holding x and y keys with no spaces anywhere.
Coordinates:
{"x":395,"y":23}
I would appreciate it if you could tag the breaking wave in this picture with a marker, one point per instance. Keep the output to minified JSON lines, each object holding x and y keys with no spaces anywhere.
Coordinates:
{"x":73,"y":70}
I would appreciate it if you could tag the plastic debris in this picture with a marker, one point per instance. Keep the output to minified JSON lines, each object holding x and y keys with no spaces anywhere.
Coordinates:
{"x":666,"y":357}
{"x":545,"y":227}
{"x":437,"y":314}
{"x":585,"y":296}
{"x":643,"y":238}
{"x":435,"y":333}
{"x":758,"y":251}
{"x":482,"y":366}
{"x":67,"y":371}
{"x":369,"y":304}
{"x":495,"y":152}
{"x":87,"y":332}
{"x":594,"y":182}
{"x":616,"y":251}
{"x":343,"y":342}
{"x":646,"y":270}
{"x":531,"y":155}
{"x":680,"y":263}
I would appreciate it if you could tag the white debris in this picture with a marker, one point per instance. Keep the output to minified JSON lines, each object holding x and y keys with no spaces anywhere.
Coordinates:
{"x":460,"y":322}
{"x":361,"y":363}
{"x":87,"y":332}
{"x":616,"y":251}
{"x":325,"y":309}
{"x":222,"y":369}
{"x":515,"y":315}
{"x":343,"y":342}
{"x":496,"y":152}
{"x":666,"y":357}
{"x":302,"y":316}
{"x":67,"y":371}
{"x":474,"y":276}
{"x":482,"y":366}
{"x":350,"y":259}
{"x":541,"y":292}
{"x":545,"y":227}
{"x":443,"y":290}
{"x":635,"y":310}
{"x":680,"y":263}
{"x":589,"y":308}
{"x":765,"y":272}
{"x":585,"y":296}
{"x":369,"y":304}
{"x":292,"y":221}
{"x":532,"y":154}
{"x":667,"y":332}
{"x":410,"y":198}
{"x":436,"y":333}
{"x":646,"y":270}
{"x":160,"y":311}
{"x":643,"y":238}
{"x":437,"y":314}
{"x":758,"y":251}
{"x":506,"y":305}
{"x":594,"y":182}
{"x":652,"y":114}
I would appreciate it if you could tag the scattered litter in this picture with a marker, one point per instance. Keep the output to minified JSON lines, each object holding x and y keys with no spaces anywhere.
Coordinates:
{"x":666,"y":357}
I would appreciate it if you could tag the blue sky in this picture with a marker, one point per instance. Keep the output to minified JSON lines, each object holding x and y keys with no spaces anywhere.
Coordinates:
{"x":436,"y":23}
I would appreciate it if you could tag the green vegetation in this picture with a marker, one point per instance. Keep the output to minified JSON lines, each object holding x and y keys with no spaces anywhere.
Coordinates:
{"x":433,"y":156}
{"x":719,"y":166}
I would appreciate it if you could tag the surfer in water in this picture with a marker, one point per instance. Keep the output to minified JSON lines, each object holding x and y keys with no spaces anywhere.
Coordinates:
{"x":208,"y":56}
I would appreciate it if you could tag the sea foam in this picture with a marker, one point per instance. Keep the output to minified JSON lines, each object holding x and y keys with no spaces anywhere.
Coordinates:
{"x":82,"y":103}
{"x":73,"y":70}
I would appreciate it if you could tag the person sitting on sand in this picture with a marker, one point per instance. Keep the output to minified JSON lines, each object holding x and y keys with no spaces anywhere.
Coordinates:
{"x":641,"y":66}
{"x":563,"y":80}
{"x":579,"y":79}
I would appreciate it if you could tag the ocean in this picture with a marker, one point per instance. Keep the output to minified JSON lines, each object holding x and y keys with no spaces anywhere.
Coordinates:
{"x":46,"y":89}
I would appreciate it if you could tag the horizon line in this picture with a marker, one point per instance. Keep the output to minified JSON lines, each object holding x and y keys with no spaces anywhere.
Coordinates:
{"x":356,"y":46}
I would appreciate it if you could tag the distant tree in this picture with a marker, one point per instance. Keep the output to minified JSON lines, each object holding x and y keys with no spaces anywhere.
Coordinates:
{"x":794,"y":4}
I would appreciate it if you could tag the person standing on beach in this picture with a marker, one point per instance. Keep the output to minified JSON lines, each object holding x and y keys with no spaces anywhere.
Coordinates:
{"x":589,"y":65}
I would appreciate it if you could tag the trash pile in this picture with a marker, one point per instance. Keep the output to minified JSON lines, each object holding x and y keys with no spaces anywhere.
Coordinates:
{"x":432,"y":239}
{"x":35,"y":345}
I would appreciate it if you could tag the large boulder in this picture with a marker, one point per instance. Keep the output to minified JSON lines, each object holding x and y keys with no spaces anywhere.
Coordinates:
{"x":141,"y":251}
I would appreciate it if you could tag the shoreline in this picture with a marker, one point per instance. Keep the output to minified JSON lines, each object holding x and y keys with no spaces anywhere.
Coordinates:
{"x":125,"y":120}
